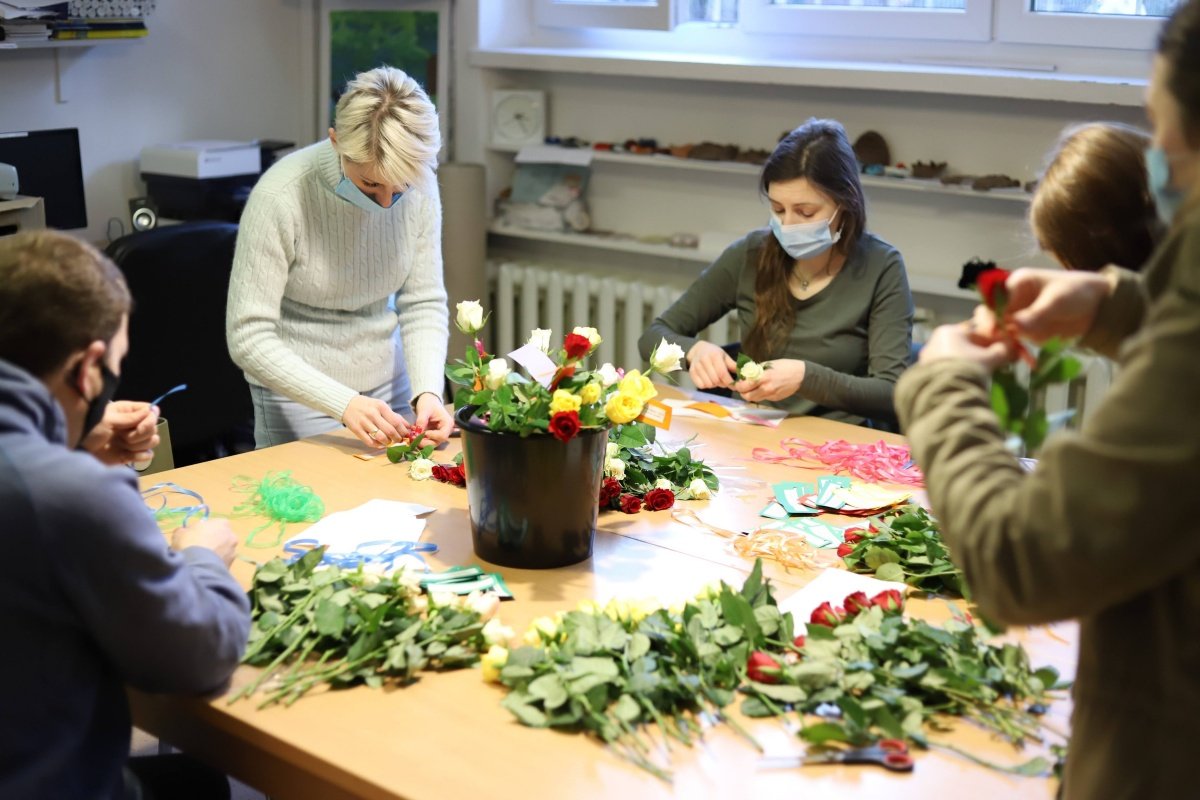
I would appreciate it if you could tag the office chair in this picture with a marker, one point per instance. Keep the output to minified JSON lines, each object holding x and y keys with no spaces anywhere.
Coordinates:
{"x":179,"y":277}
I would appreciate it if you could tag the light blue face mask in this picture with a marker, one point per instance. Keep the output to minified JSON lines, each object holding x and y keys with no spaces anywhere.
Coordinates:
{"x":805,"y":239}
{"x":1166,"y":199}
{"x":347,"y":190}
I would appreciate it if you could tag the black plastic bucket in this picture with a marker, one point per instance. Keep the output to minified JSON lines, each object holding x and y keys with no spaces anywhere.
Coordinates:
{"x":532,"y":501}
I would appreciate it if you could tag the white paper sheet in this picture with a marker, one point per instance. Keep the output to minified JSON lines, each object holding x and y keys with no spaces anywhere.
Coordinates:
{"x":373,"y":521}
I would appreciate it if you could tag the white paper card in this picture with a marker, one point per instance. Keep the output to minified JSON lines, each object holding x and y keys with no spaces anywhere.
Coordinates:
{"x":832,"y":586}
{"x":374,"y":521}
{"x":536,"y":363}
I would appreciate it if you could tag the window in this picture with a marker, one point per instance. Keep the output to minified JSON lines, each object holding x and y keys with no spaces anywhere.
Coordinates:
{"x":1123,"y":24}
{"x":654,"y":15}
{"x":964,"y":20}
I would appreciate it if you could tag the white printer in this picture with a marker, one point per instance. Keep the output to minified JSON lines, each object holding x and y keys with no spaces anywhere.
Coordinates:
{"x":202,"y":159}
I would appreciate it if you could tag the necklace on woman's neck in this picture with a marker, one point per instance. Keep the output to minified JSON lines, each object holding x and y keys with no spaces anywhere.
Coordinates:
{"x":804,"y":282}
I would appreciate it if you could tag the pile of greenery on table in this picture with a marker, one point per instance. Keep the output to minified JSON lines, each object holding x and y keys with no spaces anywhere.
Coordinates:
{"x":904,"y":545}
{"x":317,"y":624}
{"x":646,"y":465}
{"x":862,"y":672}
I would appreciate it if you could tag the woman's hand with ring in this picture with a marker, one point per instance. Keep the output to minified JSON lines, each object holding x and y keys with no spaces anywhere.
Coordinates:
{"x":374,"y":422}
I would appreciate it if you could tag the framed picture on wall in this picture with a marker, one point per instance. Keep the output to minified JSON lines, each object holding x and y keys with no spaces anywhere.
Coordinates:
{"x":358,"y":35}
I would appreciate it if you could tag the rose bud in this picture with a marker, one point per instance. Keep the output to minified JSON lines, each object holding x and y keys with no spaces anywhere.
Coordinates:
{"x":853,"y":535}
{"x":857,"y":602}
{"x":762,"y":668}
{"x":798,"y":642}
{"x":825,"y":615}
{"x":845,"y":549}
{"x":891,"y":601}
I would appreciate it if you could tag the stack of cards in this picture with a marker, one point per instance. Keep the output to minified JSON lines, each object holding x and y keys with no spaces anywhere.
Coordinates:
{"x":796,"y":503}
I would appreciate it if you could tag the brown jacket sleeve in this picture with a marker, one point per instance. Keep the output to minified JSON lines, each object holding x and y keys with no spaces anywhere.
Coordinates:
{"x":1081,"y":532}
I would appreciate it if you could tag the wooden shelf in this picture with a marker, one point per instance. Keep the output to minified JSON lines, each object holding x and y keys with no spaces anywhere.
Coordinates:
{"x":752,"y":170}
{"x":605,"y":243}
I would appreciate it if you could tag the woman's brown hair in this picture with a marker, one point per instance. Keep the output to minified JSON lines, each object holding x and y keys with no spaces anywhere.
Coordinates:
{"x":1093,"y":206}
{"x":820,"y":152}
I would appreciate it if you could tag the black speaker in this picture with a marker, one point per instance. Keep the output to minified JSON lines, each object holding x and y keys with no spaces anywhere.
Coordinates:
{"x":143,"y":213}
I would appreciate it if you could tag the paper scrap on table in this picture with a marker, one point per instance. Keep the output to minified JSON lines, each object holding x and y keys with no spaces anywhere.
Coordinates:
{"x":832,"y":586}
{"x":770,"y":417}
{"x":536,"y":363}
{"x":819,"y":534}
{"x":374,"y":521}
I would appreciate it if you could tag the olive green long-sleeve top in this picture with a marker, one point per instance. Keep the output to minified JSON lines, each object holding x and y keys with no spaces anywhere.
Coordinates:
{"x":1106,"y":528}
{"x":854,"y":336}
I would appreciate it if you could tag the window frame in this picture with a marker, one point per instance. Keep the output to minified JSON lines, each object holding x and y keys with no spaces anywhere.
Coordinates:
{"x":973,"y":24}
{"x":648,"y":15}
{"x":1018,"y":23}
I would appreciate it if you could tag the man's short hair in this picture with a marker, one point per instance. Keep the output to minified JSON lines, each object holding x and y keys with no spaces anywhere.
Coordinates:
{"x":57,"y":295}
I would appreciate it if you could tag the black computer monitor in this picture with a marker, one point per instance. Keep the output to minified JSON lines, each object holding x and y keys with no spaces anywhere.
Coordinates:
{"x":48,"y":166}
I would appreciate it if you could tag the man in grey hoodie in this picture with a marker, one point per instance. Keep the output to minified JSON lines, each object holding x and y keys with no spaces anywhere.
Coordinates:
{"x":93,"y":598}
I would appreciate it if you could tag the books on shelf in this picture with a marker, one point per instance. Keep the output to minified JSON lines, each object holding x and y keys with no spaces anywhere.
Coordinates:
{"x":99,"y":28}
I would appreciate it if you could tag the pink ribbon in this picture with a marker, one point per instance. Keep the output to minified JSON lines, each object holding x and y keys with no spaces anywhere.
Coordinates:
{"x":874,"y":463}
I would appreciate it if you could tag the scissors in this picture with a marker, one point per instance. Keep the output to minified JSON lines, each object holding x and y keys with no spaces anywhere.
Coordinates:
{"x":891,"y":754}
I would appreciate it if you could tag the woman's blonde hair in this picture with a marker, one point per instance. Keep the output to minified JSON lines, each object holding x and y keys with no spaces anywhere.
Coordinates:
{"x":1093,"y":205}
{"x":385,"y":120}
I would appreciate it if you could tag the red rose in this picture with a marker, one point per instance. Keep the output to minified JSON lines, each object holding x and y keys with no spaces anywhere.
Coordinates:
{"x":871,"y":528}
{"x":659,"y":499}
{"x":439,"y":472}
{"x":990,"y":284}
{"x":456,"y":475}
{"x":845,"y":549}
{"x":576,"y":346}
{"x":890,"y":600}
{"x":857,"y":602}
{"x":610,"y":489}
{"x":825,"y":615}
{"x":853,"y":535}
{"x":798,"y":642}
{"x":762,"y":668}
{"x":564,"y":425}
{"x":479,"y":349}
{"x":630,"y":504}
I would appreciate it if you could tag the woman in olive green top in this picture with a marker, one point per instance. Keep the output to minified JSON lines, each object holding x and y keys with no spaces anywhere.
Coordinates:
{"x":826,"y":304}
{"x":1106,"y":528}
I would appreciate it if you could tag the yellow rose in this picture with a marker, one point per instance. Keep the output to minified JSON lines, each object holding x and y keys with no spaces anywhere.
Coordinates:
{"x":622,"y":408}
{"x":563,"y":401}
{"x":638,"y":385}
{"x":590,"y":393}
{"x":492,"y":662}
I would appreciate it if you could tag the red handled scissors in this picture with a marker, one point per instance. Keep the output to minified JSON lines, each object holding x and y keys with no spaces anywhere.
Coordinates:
{"x":891,"y":754}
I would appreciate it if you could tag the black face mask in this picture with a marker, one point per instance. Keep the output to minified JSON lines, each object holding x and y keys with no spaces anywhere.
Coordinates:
{"x":99,"y":403}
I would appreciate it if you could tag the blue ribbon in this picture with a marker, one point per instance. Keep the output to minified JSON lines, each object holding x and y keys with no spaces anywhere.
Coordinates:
{"x":162,"y":490}
{"x":168,"y":393}
{"x":386,"y":552}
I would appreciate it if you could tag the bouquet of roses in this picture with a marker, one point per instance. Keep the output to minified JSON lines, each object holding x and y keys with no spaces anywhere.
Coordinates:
{"x":638,"y":473}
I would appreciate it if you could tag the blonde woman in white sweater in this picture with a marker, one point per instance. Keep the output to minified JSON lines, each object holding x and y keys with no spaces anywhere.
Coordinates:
{"x":337,"y":307}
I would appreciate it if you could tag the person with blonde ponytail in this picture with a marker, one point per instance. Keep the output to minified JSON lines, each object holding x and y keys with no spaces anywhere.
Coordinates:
{"x":337,"y":307}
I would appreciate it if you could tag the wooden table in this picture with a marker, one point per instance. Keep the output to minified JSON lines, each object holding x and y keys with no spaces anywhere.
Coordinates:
{"x":447,"y":737}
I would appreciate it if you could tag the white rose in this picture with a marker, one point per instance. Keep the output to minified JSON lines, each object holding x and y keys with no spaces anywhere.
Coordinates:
{"x":421,"y":469}
{"x":663,"y":483}
{"x":540,"y":338}
{"x":699,"y":490}
{"x":497,"y":371}
{"x":666,"y":357}
{"x":608,"y":375}
{"x":441,"y":599}
{"x":612,"y":450}
{"x":614,"y":468}
{"x":751,"y":371}
{"x":485,"y":604}
{"x":495,"y":633}
{"x":470,"y":316}
{"x":593,"y":335}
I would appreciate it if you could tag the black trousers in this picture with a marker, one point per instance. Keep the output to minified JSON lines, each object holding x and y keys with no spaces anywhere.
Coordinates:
{"x":177,"y":776}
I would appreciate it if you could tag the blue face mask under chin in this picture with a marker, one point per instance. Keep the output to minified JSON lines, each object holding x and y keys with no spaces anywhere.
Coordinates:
{"x":348,"y":191}
{"x":806,"y":239}
{"x":1166,"y":199}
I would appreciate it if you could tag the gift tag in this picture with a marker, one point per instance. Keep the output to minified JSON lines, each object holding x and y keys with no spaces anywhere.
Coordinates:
{"x":791,"y":494}
{"x":656,"y":414}
{"x":536,"y":363}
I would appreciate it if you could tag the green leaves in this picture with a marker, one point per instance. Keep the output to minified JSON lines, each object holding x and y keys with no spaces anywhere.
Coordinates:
{"x":647,"y":463}
{"x":1013,"y":403}
{"x":907,"y":547}
{"x":344,"y":627}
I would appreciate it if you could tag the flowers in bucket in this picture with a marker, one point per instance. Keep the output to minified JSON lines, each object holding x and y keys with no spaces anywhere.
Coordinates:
{"x":562,"y":396}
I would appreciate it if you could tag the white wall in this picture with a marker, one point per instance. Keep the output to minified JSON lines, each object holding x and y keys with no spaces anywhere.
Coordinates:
{"x":218,"y":69}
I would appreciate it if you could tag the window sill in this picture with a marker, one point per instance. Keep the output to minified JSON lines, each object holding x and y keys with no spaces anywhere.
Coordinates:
{"x":978,"y":81}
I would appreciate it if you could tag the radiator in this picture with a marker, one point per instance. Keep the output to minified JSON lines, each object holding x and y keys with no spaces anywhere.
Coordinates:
{"x":534,"y":296}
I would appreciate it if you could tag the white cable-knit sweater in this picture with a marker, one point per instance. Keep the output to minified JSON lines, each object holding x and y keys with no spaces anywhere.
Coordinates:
{"x":312,"y":275}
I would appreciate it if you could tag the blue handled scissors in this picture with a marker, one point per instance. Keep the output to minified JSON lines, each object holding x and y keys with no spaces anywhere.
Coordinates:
{"x":891,"y":754}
